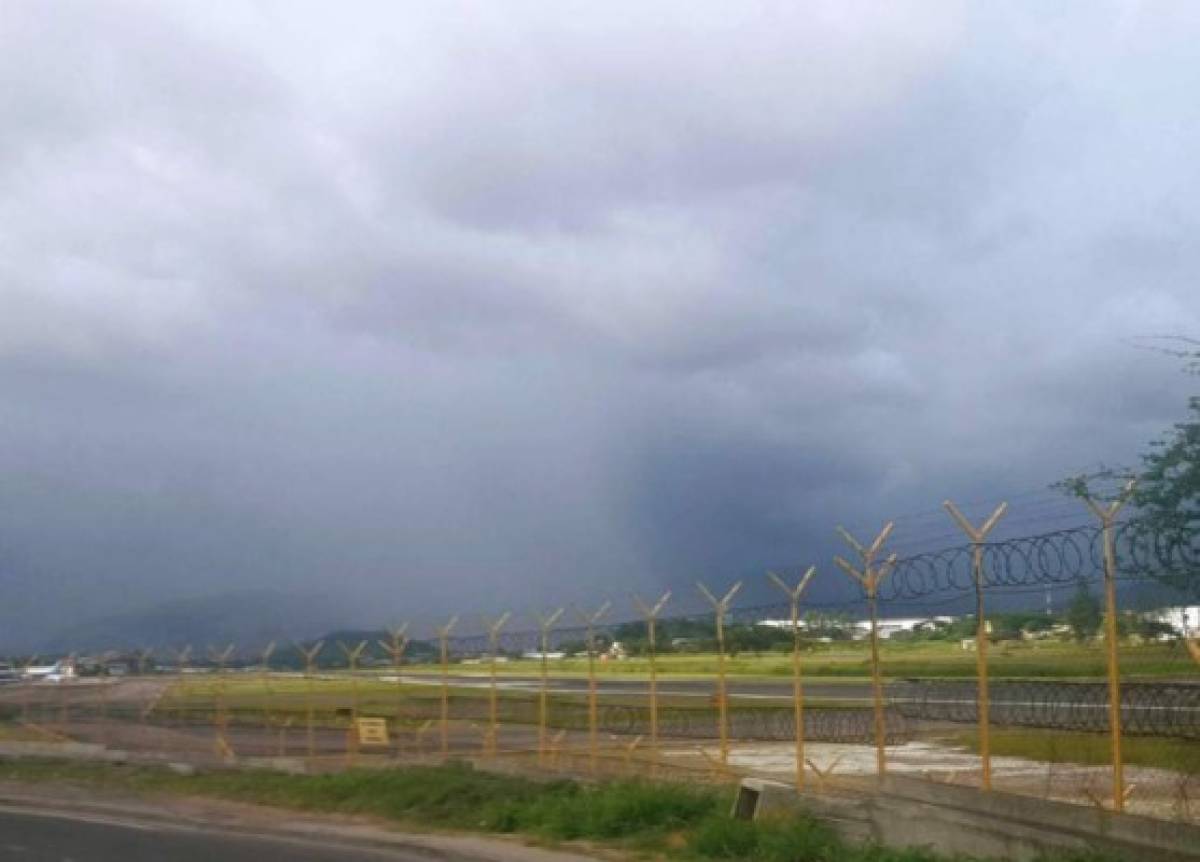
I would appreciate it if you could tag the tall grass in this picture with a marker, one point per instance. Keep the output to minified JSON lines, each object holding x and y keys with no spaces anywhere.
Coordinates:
{"x":672,"y":820}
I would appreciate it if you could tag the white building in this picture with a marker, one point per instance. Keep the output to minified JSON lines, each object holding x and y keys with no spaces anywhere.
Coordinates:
{"x":1185,"y":620}
{"x":899,"y":625}
{"x":860,"y":629}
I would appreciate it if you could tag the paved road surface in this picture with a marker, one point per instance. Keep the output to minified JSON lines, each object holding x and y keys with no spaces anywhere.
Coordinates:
{"x":958,"y":694}
{"x":59,"y":837}
{"x":851,"y":692}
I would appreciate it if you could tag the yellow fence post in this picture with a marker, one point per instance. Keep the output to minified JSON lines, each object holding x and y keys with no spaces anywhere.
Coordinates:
{"x":720,"y":607}
{"x":64,"y":702}
{"x":493,"y":630}
{"x":797,"y":686}
{"x":265,"y":679}
{"x":398,"y":644}
{"x":493,"y":718}
{"x":651,"y":612}
{"x":556,"y":747}
{"x":545,"y":623}
{"x":870,"y":577}
{"x":1107,"y":515}
{"x":589,"y":621}
{"x":102,"y":675}
{"x":220,"y":716}
{"x":352,"y":655}
{"x":143,"y":656}
{"x":419,"y":735}
{"x":443,"y":634}
{"x":182,"y":659}
{"x":310,"y":660}
{"x":978,"y":535}
{"x":27,"y":689}
{"x":281,"y":746}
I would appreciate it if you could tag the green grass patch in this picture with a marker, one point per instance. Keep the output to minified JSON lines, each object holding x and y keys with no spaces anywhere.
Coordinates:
{"x":677,"y":821}
{"x":850,"y":661}
{"x":1088,"y":749}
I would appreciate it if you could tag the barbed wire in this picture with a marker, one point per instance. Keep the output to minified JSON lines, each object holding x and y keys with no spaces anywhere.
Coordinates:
{"x":1060,"y":557}
{"x":1147,"y":708}
{"x":759,"y":723}
{"x":1053,"y":560}
{"x":1056,"y":559}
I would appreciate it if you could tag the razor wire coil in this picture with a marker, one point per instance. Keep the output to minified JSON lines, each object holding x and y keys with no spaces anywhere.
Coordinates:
{"x":1147,"y":708}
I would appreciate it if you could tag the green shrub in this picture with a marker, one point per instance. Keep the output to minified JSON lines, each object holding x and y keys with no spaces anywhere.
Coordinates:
{"x":724,"y":838}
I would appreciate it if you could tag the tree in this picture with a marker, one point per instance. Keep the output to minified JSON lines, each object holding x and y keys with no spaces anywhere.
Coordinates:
{"x":1167,"y":501}
{"x":1152,"y":629}
{"x":1165,"y":506}
{"x":1083,"y":614}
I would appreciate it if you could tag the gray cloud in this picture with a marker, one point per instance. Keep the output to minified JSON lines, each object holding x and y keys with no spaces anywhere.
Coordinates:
{"x":476,"y":305}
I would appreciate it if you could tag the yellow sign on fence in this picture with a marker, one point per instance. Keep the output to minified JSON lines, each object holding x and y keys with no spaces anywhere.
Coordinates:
{"x":372,"y":731}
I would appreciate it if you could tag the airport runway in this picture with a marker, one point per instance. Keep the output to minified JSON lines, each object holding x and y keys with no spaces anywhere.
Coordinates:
{"x":851,"y":692}
{"x":942,"y":699}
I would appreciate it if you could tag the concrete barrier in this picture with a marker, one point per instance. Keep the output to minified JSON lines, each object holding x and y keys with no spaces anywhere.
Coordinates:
{"x":908,"y":812}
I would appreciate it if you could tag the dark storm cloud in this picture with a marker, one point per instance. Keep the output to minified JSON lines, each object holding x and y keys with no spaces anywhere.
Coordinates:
{"x":475,"y":304}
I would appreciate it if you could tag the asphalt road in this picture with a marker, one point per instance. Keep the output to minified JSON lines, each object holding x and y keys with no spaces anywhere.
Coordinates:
{"x":59,"y":837}
{"x":960,"y":694}
{"x":850,"y":692}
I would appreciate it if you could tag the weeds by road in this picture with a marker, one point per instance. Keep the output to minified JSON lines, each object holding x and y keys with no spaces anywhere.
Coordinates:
{"x":663,"y":820}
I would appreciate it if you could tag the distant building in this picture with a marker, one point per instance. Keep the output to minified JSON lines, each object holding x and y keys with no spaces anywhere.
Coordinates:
{"x":860,"y":629}
{"x":1185,"y":620}
{"x":902,"y":625}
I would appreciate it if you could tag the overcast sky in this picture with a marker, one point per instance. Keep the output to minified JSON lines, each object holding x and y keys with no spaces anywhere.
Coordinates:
{"x":456,"y":305}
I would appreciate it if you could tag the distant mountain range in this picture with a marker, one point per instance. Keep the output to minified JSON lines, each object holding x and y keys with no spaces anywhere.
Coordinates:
{"x":249,"y":619}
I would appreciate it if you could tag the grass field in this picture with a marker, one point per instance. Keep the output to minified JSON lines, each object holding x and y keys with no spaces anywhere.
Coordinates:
{"x":251,"y":700}
{"x":251,"y":694}
{"x":640,"y":818}
{"x":1088,"y":749}
{"x":1012,"y":659}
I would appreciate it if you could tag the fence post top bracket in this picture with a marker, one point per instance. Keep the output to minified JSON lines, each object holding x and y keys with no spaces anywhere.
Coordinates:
{"x":1107,"y":514}
{"x":867,"y":553}
{"x":310,"y":654}
{"x":720,"y":604}
{"x":593,"y":618}
{"x":493,"y":626}
{"x":222,"y":655}
{"x":443,"y":632}
{"x":846,"y":567}
{"x":651,"y":612}
{"x":793,"y":593}
{"x":976,"y":534}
